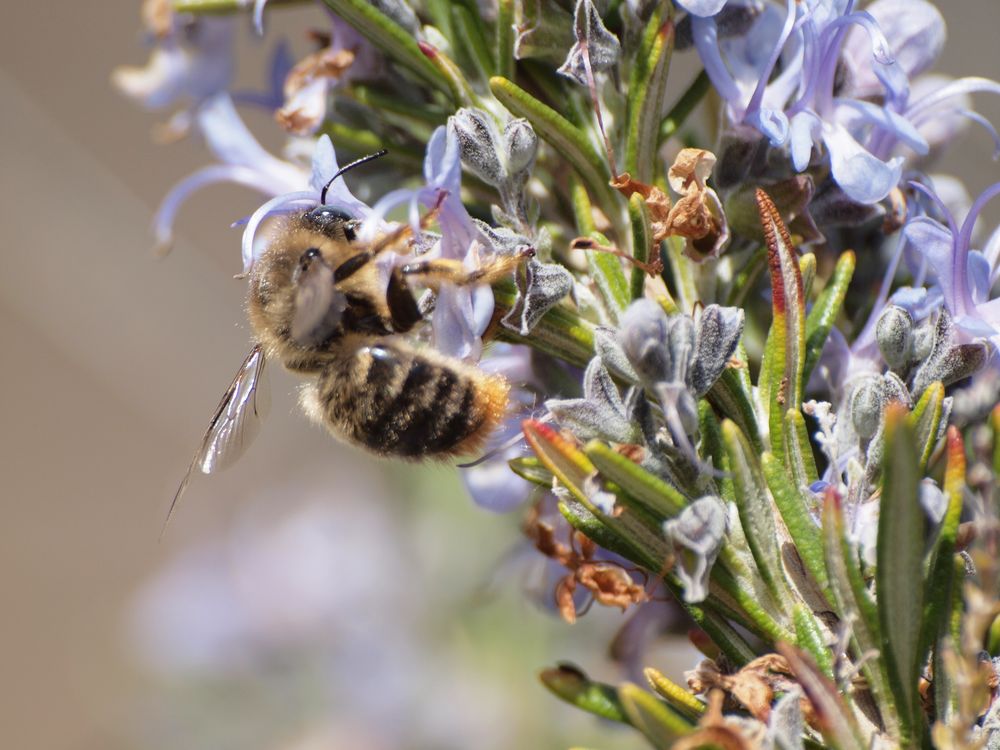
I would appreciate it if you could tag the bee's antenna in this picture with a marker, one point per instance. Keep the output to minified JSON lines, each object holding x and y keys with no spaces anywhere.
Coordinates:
{"x":345,"y":168}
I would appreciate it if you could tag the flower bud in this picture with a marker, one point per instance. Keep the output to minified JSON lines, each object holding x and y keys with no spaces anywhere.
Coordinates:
{"x":520,"y":145}
{"x":719,"y":331}
{"x":478,"y":143}
{"x":643,"y":331}
{"x":894,"y":333}
{"x":699,"y":532}
{"x":593,"y":39}
{"x":866,"y":407}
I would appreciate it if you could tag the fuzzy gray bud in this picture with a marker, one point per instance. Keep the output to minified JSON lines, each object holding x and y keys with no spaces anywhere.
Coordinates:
{"x":593,"y":40}
{"x":894,"y":333}
{"x":520,"y":146}
{"x":719,"y":331}
{"x":869,"y":399}
{"x":479,"y":144}
{"x":866,"y":408}
{"x":699,"y":531}
{"x":643,"y":331}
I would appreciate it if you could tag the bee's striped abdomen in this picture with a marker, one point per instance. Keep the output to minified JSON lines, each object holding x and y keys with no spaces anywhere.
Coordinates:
{"x":396,"y":401}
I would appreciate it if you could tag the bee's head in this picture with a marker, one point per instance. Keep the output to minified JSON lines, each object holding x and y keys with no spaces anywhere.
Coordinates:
{"x":332,"y":222}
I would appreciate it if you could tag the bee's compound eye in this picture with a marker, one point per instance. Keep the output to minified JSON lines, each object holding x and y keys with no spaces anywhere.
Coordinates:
{"x":327,"y":219}
{"x":325,"y":215}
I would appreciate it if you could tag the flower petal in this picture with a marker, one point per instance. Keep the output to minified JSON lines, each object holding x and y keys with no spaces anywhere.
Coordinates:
{"x":861,"y":175}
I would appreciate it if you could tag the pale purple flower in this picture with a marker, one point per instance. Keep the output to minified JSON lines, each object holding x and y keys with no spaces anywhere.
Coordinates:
{"x":191,"y":61}
{"x":964,"y":276}
{"x":303,"y":192}
{"x":307,"y":94}
{"x":806,"y":104}
{"x":240,"y":159}
{"x":461,"y":313}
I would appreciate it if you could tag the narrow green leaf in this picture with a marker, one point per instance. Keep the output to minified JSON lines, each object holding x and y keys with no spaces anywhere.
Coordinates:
{"x":391,"y":38}
{"x":583,"y":209}
{"x":572,"y":468}
{"x":900,"y":574}
{"x":642,"y":242}
{"x":659,"y":497}
{"x":939,"y":594}
{"x":677,"y":696}
{"x":855,"y":605}
{"x":810,"y":638}
{"x":731,"y":397}
{"x":607,"y":538}
{"x":470,"y":32}
{"x":532,"y":470}
{"x":781,"y":369}
{"x":826,"y":309}
{"x":799,"y":459}
{"x":759,"y":609}
{"x":723,"y":635}
{"x":568,"y":140}
{"x":925,"y":419}
{"x":756,"y":515}
{"x":425,"y":117}
{"x":651,"y":716}
{"x":713,"y":449}
{"x":801,"y":527}
{"x":647,"y":93}
{"x":807,"y":268}
{"x":690,"y":99}
{"x":573,"y":686}
{"x":505,"y":39}
{"x":362,"y":142}
{"x":685,"y":291}
{"x":606,"y":271}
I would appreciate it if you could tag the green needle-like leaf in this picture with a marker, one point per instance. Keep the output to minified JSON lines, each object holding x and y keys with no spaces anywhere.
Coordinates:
{"x":784,"y":357}
{"x":606,"y":271}
{"x":900,"y":572}
{"x":505,"y":39}
{"x":651,"y":716}
{"x":795,"y":514}
{"x":642,"y":242}
{"x":647,"y":92}
{"x":573,"y":686}
{"x":825,"y":311}
{"x":392,"y":39}
{"x":756,"y":512}
{"x":690,"y":99}
{"x":939,"y":595}
{"x":674,"y":694}
{"x":925,"y":419}
{"x":855,"y":605}
{"x":568,"y":140}
{"x":810,"y":638}
{"x":658,"y":497}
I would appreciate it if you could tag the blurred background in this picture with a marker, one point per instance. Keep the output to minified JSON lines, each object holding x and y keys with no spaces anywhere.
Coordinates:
{"x":311,"y":597}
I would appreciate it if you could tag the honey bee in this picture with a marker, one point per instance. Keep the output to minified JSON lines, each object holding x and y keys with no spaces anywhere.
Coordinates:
{"x":320,"y":304}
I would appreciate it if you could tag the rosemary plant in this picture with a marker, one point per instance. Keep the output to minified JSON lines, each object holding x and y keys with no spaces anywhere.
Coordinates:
{"x":727,"y":390}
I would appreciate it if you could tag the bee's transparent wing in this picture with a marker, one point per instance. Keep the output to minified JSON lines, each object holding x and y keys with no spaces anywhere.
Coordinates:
{"x":235,"y":423}
{"x":319,"y":305}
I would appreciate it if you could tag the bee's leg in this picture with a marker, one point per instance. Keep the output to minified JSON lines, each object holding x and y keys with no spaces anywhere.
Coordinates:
{"x":402,"y":306}
{"x":433,"y":273}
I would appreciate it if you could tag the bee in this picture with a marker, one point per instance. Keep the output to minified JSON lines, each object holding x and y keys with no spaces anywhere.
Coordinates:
{"x":321,"y":304}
